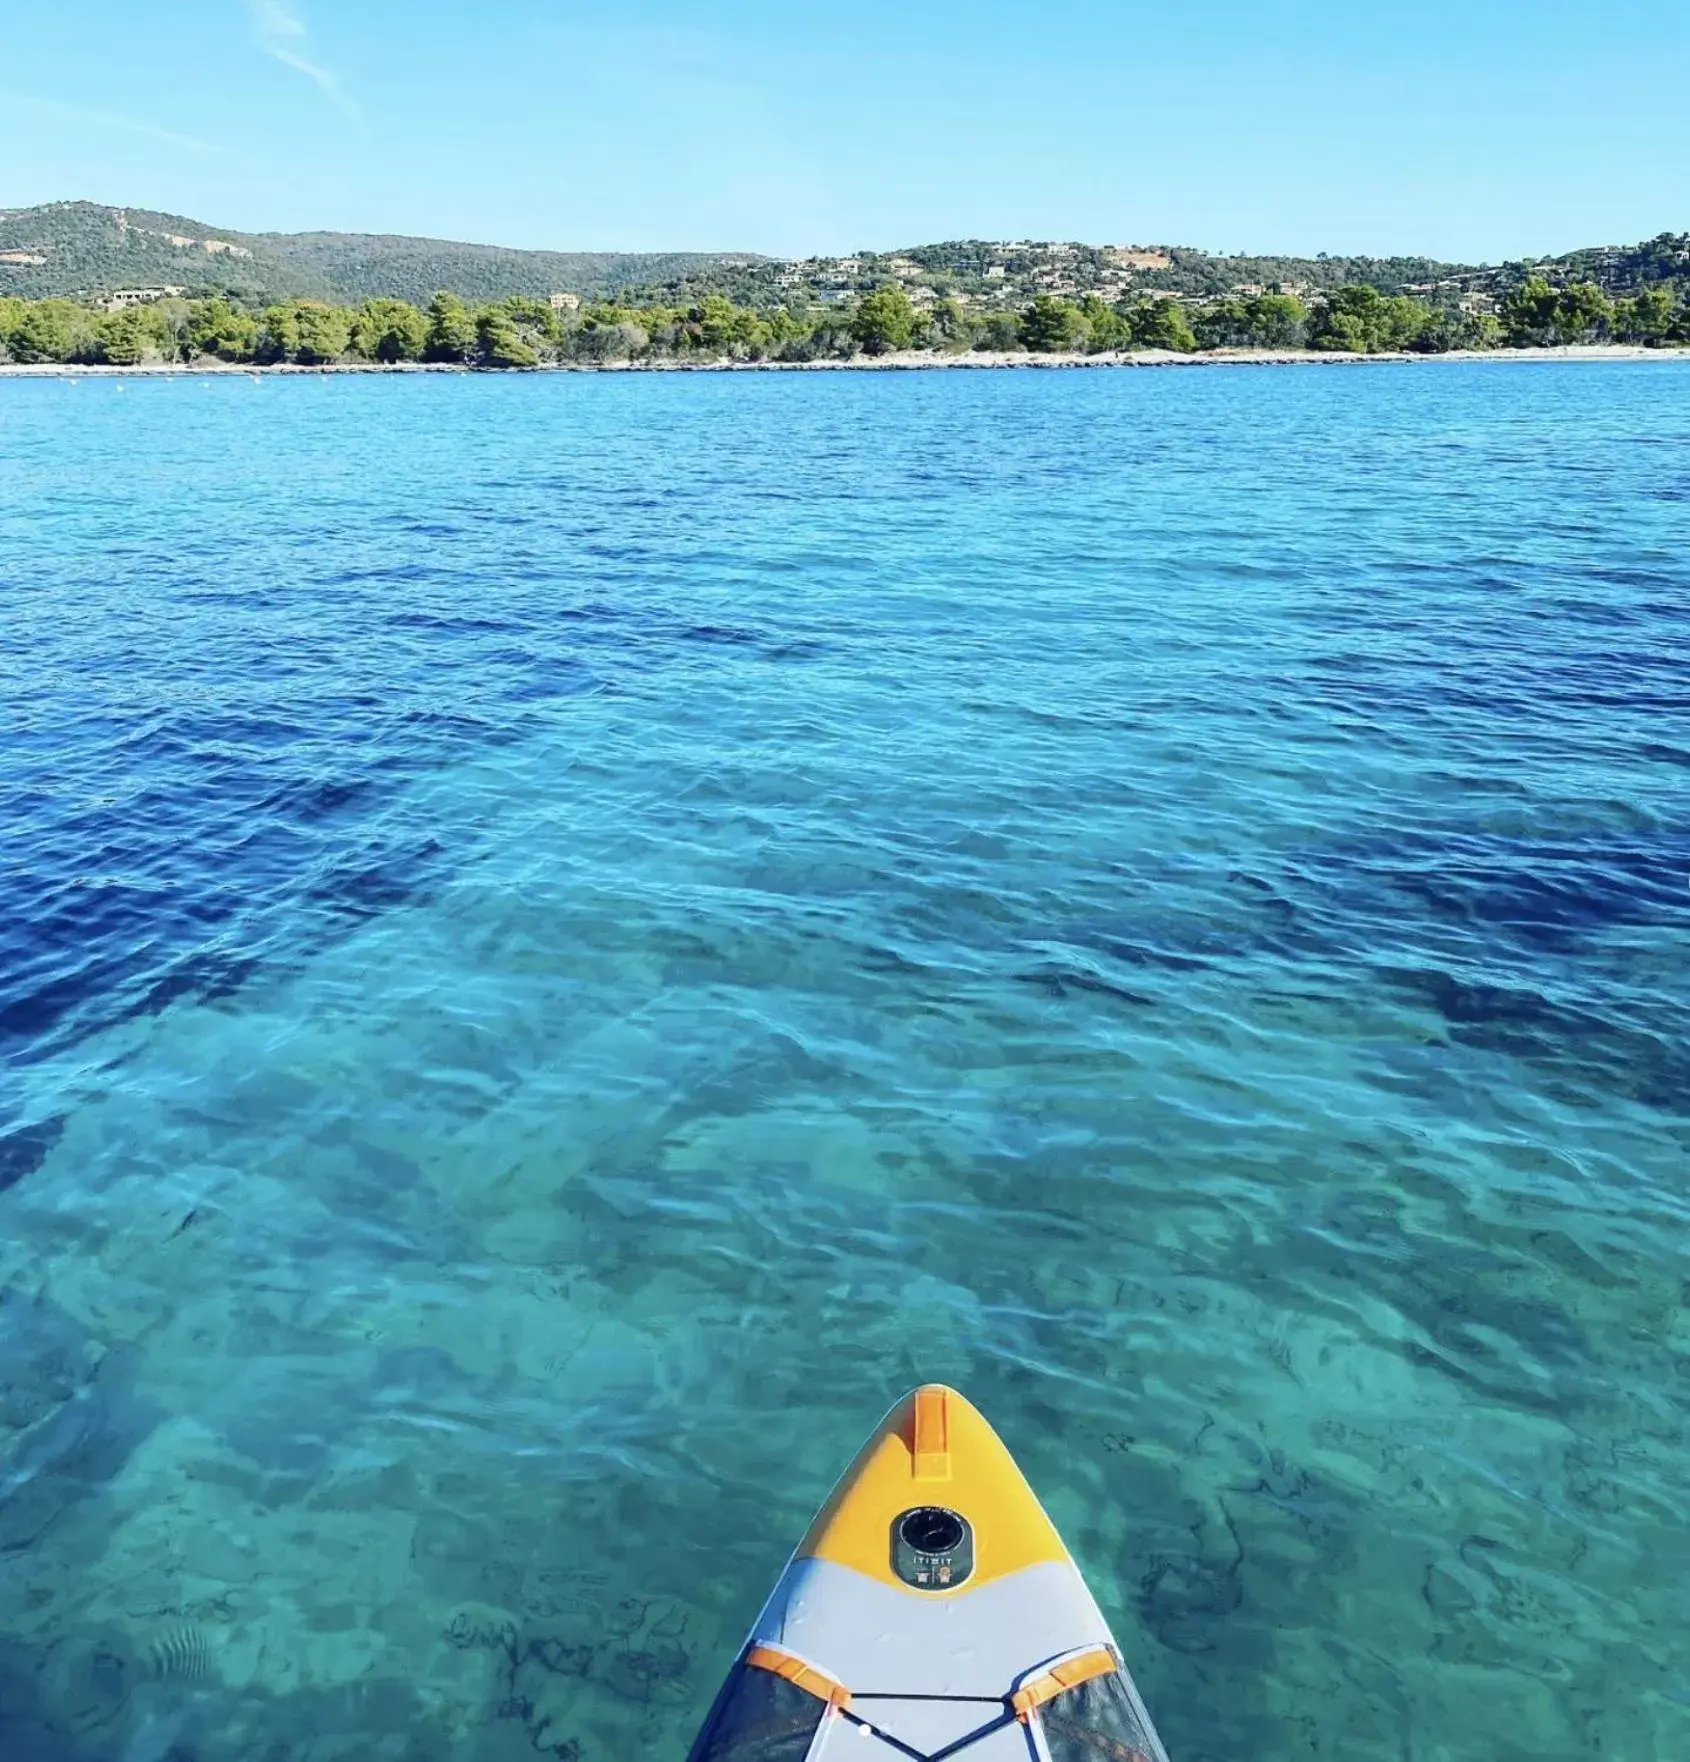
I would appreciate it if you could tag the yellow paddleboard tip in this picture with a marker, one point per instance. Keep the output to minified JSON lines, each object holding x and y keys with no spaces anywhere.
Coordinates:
{"x":933,"y":1502}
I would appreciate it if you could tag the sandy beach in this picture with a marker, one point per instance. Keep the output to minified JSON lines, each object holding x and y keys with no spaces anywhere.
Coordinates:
{"x":912,"y":360}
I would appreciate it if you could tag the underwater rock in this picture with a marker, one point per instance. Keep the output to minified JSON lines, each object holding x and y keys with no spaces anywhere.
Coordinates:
{"x":86,"y":1680}
{"x":25,"y":1148}
{"x":1184,"y":1599}
{"x":77,"y":1449}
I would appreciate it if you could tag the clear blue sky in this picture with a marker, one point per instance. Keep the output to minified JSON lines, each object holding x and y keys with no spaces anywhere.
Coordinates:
{"x":1467,"y":129}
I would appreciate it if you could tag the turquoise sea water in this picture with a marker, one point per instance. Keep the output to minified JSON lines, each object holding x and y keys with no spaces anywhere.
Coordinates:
{"x":564,"y":940}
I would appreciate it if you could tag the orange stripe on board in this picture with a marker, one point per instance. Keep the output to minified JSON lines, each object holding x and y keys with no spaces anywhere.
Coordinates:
{"x":1069,"y":1674}
{"x":800,"y":1675}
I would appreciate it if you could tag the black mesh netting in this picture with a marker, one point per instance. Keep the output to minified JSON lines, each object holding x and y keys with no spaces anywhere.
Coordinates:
{"x":758,"y":1717}
{"x":1099,"y":1721}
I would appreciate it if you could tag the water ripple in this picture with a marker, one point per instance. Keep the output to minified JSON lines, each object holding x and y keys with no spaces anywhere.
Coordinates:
{"x":564,"y":940}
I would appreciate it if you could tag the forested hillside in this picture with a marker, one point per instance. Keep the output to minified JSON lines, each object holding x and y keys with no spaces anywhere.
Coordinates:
{"x":80,"y":248}
{"x":360,"y":266}
{"x":86,"y":251}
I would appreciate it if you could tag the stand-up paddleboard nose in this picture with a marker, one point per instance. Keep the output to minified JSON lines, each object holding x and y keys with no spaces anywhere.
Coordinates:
{"x":934,"y":1502}
{"x":933,"y":1610}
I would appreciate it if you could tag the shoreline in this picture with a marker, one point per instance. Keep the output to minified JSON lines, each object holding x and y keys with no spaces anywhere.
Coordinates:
{"x":908,"y":361}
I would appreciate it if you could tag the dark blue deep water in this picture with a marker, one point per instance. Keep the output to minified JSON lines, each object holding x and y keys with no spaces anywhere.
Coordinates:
{"x":564,"y":939}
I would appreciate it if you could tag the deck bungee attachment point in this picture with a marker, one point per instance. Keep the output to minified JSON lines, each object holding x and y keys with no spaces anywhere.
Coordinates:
{"x":931,"y":1612}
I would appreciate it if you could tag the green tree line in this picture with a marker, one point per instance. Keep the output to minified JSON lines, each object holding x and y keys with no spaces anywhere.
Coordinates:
{"x":524,"y":332}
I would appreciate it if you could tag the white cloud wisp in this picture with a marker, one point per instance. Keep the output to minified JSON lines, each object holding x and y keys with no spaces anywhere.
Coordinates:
{"x":282,"y":34}
{"x":82,"y":115}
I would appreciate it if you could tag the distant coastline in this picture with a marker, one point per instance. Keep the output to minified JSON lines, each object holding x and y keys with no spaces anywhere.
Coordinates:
{"x":90,"y":250}
{"x":157,"y":326}
{"x":903,"y":361}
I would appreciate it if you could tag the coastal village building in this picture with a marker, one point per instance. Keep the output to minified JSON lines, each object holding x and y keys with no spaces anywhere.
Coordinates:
{"x":122,"y":298}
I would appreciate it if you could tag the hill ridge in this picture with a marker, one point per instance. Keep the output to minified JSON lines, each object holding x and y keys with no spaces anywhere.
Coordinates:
{"x":92,"y":249}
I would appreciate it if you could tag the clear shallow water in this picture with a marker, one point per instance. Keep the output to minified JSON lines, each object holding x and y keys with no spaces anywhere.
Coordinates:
{"x":564,"y":940}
